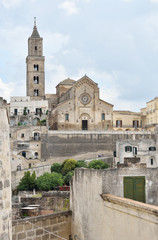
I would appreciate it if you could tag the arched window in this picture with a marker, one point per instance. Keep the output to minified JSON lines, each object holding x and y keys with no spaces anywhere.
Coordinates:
{"x":36,"y":79}
{"x":36,"y":67}
{"x":36,"y":155}
{"x":103,"y":116}
{"x":36,"y":92}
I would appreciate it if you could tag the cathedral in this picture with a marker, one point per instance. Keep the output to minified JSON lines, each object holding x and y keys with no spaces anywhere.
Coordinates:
{"x":76,"y":105}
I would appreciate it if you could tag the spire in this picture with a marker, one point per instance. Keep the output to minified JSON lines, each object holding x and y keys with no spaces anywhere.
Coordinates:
{"x":35,"y":33}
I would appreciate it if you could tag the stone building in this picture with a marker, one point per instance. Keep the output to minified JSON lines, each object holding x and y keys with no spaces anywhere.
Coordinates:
{"x":136,"y":153}
{"x":151,"y":114}
{"x":127,"y":121}
{"x":5,"y":175}
{"x":79,"y":107}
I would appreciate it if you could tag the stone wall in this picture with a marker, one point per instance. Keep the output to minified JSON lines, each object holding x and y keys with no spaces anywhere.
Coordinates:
{"x":57,"y":145}
{"x":55,"y":200}
{"x":17,"y":175}
{"x":5,"y":178}
{"x":93,"y":217}
{"x":37,"y":228}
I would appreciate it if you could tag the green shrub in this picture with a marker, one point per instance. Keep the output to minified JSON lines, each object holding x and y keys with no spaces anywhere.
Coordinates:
{"x":27,"y":182}
{"x":48,"y":181}
{"x":98,"y":164}
{"x":56,"y":167}
{"x":80,"y":164}
{"x":68,"y":165}
{"x":68,"y":177}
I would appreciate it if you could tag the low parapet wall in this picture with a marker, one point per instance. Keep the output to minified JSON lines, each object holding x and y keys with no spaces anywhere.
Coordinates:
{"x":128,"y":219}
{"x":43,"y":227}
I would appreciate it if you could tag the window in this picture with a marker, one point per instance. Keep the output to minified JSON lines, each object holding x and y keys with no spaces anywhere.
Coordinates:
{"x":35,"y":48}
{"x":103,"y":116}
{"x":135,"y":150}
{"x":24,"y":154}
{"x":15,"y":111}
{"x":151,"y":161}
{"x":38,"y":111}
{"x":66,"y":117}
{"x":36,"y":155}
{"x":152,"y":148}
{"x":128,"y":149}
{"x":36,"y":79}
{"x":135,"y":124}
{"x":118,"y":123}
{"x":36,"y":92}
{"x":35,"y":67}
{"x":22,"y":135}
{"x":36,"y":136}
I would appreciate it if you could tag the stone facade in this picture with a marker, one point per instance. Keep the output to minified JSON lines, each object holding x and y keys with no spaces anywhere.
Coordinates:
{"x":39,"y":228}
{"x":26,"y":146}
{"x":127,"y":121}
{"x":5,"y":175}
{"x":142,"y":150}
{"x":80,"y":108}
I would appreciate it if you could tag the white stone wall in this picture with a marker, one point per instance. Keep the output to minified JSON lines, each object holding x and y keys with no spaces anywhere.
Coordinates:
{"x":5,"y":176}
{"x":20,"y":103}
{"x":95,"y":217}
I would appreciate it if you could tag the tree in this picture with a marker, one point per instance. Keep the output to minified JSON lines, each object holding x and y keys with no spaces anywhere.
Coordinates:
{"x":48,"y":181}
{"x":68,"y":165}
{"x":56,"y":167}
{"x":68,"y":177}
{"x":98,"y":164}
{"x":80,"y":164}
{"x":27,"y":182}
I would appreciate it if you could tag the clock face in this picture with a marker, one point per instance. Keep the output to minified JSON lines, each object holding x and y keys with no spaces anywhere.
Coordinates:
{"x":85,"y":98}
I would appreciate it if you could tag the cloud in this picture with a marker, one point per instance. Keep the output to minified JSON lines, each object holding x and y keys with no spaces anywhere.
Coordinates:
{"x":11,"y":3}
{"x":69,"y":7}
{"x":154,"y":1}
{"x":6,"y":89}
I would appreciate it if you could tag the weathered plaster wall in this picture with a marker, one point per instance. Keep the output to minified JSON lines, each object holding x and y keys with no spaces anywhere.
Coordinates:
{"x":5,"y":176}
{"x":113,"y":182}
{"x":93,"y":218}
{"x":33,"y":228}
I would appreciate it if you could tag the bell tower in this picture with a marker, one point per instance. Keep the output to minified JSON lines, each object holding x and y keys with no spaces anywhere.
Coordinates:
{"x":35,"y":83}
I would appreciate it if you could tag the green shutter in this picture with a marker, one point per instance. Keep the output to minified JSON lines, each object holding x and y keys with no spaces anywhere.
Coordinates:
{"x":134,"y":188}
{"x":128,"y":188}
{"x":126,"y":149}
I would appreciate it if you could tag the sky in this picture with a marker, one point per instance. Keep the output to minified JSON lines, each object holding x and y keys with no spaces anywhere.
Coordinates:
{"x":114,"y":42}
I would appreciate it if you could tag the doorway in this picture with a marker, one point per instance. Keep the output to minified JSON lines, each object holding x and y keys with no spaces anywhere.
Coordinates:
{"x":84,"y":125}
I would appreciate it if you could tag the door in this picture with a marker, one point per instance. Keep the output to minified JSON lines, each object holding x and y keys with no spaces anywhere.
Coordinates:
{"x":134,"y":188}
{"x":84,"y":125}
